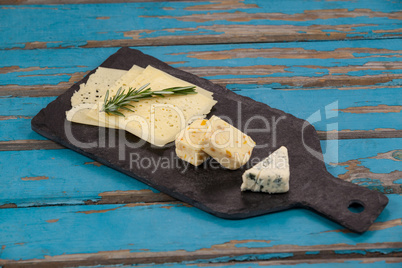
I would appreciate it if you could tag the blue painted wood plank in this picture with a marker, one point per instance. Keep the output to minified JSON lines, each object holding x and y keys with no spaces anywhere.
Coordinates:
{"x":272,"y":263}
{"x":364,"y":62}
{"x":131,"y":230}
{"x":58,"y":177}
{"x":41,"y":177}
{"x":182,"y":22}
{"x":15,"y":117}
{"x":370,"y":168}
{"x":10,"y":106}
{"x":333,"y":109}
{"x":49,"y":67}
{"x":18,"y":129}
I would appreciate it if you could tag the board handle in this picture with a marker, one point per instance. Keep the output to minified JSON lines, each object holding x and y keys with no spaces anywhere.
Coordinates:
{"x":352,"y":206}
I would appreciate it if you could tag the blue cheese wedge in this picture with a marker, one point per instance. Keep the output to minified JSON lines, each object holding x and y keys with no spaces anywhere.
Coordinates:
{"x":227,"y":144}
{"x":188,"y":141}
{"x":271,"y":175}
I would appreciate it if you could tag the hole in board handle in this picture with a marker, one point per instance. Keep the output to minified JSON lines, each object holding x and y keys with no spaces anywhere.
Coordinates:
{"x":356,"y":207}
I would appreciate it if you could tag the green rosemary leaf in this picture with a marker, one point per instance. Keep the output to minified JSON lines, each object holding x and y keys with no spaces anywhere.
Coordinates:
{"x":123,"y":100}
{"x":163,"y":92}
{"x":115,"y":113}
{"x":127,"y":109}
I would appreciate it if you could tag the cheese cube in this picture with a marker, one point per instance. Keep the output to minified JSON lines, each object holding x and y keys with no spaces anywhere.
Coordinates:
{"x":226,"y":144}
{"x":188,"y":141}
{"x":271,"y":175}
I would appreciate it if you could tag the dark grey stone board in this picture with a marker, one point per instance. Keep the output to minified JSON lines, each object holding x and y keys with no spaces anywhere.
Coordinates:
{"x":210,"y":187}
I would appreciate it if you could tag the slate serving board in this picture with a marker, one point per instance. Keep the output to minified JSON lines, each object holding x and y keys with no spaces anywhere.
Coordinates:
{"x":210,"y":187}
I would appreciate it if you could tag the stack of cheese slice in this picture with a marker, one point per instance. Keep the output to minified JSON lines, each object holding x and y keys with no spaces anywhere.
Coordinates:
{"x":156,"y":120}
{"x":271,"y":175}
{"x":93,"y":91}
{"x":217,"y":138}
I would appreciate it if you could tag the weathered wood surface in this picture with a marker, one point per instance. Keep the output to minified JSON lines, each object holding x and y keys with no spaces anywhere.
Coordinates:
{"x":295,"y":65}
{"x":160,"y":232}
{"x":264,"y":73}
{"x":49,"y":177}
{"x":307,"y":263}
{"x":59,"y":208}
{"x":193,"y":22}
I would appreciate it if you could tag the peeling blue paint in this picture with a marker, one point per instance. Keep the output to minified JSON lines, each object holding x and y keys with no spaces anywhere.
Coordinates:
{"x":18,"y":129}
{"x":82,"y":60}
{"x":247,"y":257}
{"x":367,"y":182}
{"x":23,"y":106}
{"x":257,"y":244}
{"x":397,"y":155}
{"x":146,"y":16}
{"x":371,"y":72}
{"x":304,"y":103}
{"x":394,"y":82}
{"x":361,"y":252}
{"x":181,"y":32}
{"x":128,"y":228}
{"x":70,"y":180}
{"x":337,"y":154}
{"x":371,"y":147}
{"x":385,"y":250}
{"x":343,"y":264}
{"x":383,"y":165}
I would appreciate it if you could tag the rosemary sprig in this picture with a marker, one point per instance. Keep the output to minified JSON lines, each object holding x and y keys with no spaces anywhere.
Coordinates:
{"x":122,"y":100}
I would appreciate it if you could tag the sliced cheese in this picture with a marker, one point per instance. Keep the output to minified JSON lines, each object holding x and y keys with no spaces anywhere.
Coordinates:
{"x":157,"y":120}
{"x":78,"y":114}
{"x":96,"y":86}
{"x":161,"y":80}
{"x":271,"y":175}
{"x":228,"y":145}
{"x":188,"y":142}
{"x":94,"y":90}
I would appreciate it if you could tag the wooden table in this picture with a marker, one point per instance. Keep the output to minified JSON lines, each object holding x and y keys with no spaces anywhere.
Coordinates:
{"x":334,"y":63}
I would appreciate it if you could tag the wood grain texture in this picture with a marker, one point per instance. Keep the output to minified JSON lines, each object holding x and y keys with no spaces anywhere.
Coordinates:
{"x":75,"y":179}
{"x":63,"y":209}
{"x":191,"y":22}
{"x":274,"y":66}
{"x":281,"y":66}
{"x":119,"y":234}
{"x":377,"y":262}
{"x":296,"y":259}
{"x":23,"y":145}
{"x":59,"y":2}
{"x":327,"y":109}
